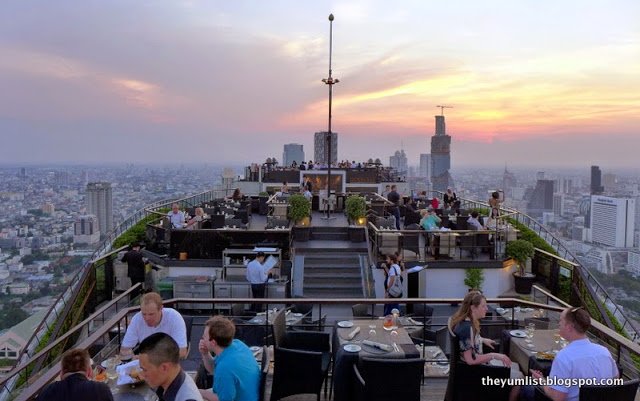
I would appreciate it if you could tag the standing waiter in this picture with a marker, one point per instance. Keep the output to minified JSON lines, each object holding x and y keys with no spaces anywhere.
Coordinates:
{"x":257,"y":275}
{"x":135,"y":266}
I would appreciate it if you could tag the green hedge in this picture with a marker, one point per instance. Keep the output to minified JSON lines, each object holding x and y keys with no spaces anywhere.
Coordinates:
{"x":528,"y":234}
{"x":137,"y":232}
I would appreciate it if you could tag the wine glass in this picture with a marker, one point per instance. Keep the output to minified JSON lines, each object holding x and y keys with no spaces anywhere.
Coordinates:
{"x":531,"y":328}
{"x":112,"y":374}
{"x":372,"y":332}
{"x":556,"y":339}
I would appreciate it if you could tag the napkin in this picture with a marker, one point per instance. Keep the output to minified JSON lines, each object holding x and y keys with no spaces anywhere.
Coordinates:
{"x":353,"y":333}
{"x":123,"y":372}
{"x":384,"y":347}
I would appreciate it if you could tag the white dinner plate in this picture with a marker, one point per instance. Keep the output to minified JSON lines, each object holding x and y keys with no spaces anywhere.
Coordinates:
{"x":345,"y":324}
{"x":526,"y":310}
{"x":518,"y":333}
{"x":500,"y":310}
{"x":297,"y":314}
{"x":352,"y":348}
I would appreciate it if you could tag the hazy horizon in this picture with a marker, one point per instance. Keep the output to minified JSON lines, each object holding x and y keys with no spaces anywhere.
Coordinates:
{"x":531,"y":83}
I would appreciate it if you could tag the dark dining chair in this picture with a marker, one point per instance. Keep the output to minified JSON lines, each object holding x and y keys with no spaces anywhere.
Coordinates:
{"x":264,"y":370}
{"x":382,"y":379}
{"x":624,"y":392}
{"x":362,"y":310}
{"x":313,"y":341}
{"x":296,"y":372}
{"x":465,"y":381}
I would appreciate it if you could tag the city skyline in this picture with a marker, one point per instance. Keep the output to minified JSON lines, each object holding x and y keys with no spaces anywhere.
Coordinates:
{"x":180,"y":81}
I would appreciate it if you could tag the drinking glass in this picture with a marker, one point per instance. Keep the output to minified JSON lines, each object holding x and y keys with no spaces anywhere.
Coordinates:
{"x":387,"y":323}
{"x":531,"y":328}
{"x":557,"y":339}
{"x":112,"y":374}
{"x":372,"y":332}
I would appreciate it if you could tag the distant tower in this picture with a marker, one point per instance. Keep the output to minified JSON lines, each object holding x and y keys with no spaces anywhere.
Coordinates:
{"x":85,"y":230}
{"x":320,"y":145}
{"x":596,"y":181}
{"x":293,"y":152}
{"x":508,"y":182}
{"x":441,"y":157}
{"x":99,"y":202}
{"x":399,"y":162}
{"x":425,"y":166}
{"x":612,"y":221}
{"x":541,"y":199}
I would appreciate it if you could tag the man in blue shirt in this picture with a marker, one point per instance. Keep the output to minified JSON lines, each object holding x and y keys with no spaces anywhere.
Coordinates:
{"x":236,"y":375}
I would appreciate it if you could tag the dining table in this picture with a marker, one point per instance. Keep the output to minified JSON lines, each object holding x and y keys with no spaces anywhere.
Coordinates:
{"x":347,"y":350}
{"x":528,"y":356}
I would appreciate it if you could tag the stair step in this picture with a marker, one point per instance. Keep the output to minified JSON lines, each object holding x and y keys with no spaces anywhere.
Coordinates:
{"x":336,"y":265}
{"x":332,"y":293}
{"x":330,"y":236}
{"x":355,"y":249}
{"x":332,"y":274}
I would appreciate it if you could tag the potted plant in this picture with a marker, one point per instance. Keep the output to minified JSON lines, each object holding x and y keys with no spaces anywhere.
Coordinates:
{"x":473,"y":278}
{"x":299,"y":213}
{"x":520,"y":250}
{"x":356,"y":209}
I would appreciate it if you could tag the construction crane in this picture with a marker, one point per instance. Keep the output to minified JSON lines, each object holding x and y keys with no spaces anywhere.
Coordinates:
{"x":442,"y":109}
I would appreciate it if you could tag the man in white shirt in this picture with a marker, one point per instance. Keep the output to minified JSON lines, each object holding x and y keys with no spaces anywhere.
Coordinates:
{"x":176,"y":216}
{"x":581,"y":359}
{"x":473,"y":221}
{"x":153,"y":318}
{"x":257,"y":275}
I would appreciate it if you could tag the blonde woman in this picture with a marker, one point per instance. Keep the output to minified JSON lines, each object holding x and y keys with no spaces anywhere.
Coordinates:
{"x":193,"y":223}
{"x":465,"y":325}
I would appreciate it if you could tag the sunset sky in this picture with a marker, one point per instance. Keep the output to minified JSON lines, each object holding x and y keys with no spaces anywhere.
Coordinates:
{"x":531,"y":82}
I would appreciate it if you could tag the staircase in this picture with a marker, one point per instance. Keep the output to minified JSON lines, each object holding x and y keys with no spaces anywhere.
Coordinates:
{"x":331,"y":267}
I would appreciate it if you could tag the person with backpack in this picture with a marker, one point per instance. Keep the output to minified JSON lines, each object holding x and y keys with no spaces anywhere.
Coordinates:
{"x":392,"y":283}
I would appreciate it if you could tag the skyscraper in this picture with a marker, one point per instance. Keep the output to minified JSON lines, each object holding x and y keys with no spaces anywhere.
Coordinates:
{"x":293,"y":152}
{"x":320,"y":147}
{"x":441,"y":157}
{"x":508,"y":182}
{"x":425,"y":166}
{"x":541,"y":199}
{"x":100,"y":203}
{"x":86,"y":230}
{"x":612,"y":221}
{"x":399,"y":162}
{"x":596,"y":181}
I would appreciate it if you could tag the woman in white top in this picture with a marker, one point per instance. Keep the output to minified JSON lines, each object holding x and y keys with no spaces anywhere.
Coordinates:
{"x":195,"y":221}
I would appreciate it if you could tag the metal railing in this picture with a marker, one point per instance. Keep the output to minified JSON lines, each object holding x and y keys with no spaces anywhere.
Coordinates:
{"x":620,"y":347}
{"x":585,"y":286}
{"x":61,"y":305}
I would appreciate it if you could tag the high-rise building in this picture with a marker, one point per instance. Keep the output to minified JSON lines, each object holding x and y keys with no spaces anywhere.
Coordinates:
{"x":399,"y":162}
{"x":612,"y":221}
{"x":425,"y":165}
{"x":558,"y":204}
{"x":293,"y":152}
{"x":441,"y":157}
{"x":99,"y":202}
{"x":541,"y":199}
{"x":609,"y":182}
{"x":508,"y":183}
{"x":320,"y":144}
{"x":563,"y":186}
{"x":86,"y":230}
{"x":596,"y":181}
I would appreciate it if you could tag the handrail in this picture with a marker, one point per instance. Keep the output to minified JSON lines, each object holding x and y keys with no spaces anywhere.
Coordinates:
{"x":593,"y":285}
{"x":77,"y":328}
{"x":38,"y":384}
{"x":79,"y":277}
